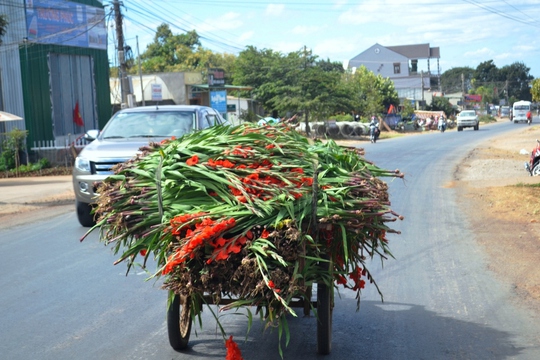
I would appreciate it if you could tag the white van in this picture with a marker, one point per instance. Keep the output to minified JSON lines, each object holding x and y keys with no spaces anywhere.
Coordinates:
{"x":520,"y":110}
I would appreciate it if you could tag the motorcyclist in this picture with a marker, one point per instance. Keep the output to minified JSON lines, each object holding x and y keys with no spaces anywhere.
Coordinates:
{"x":373,"y":129}
{"x":442,"y":123}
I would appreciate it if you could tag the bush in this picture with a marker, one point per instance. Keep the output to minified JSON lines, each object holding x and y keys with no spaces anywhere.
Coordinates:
{"x":342,"y":117}
{"x":487,"y":119}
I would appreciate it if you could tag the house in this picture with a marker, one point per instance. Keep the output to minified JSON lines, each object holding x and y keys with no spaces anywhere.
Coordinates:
{"x":400,"y":64}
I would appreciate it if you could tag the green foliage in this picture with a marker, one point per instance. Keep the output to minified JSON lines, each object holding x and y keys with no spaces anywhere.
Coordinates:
{"x":294,"y":82}
{"x":248,"y":116}
{"x":3,"y":26}
{"x":342,"y":117}
{"x":451,"y":80}
{"x":370,"y":94}
{"x":486,"y":119}
{"x":519,"y":79}
{"x":535,"y":90}
{"x":41,"y":164}
{"x":487,"y":94}
{"x":407,"y":110}
{"x":440,"y":103}
{"x":14,"y":143}
{"x":510,"y":82}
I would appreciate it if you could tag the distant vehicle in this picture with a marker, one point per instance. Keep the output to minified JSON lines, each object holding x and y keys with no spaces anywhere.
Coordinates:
{"x":505,"y":111}
{"x":123,"y":135}
{"x":520,"y":109}
{"x":467,"y":118}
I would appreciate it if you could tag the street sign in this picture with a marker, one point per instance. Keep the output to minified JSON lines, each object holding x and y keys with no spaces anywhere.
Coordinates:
{"x":156,"y":92}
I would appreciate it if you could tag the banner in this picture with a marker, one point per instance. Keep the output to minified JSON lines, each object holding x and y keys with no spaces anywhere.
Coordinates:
{"x":63,"y":22}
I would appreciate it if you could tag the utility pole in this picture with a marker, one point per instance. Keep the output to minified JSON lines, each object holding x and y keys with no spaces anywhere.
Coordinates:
{"x":462,"y":91}
{"x":422,"y":89}
{"x":506,"y":92}
{"x":140,"y":72}
{"x":124,"y":85}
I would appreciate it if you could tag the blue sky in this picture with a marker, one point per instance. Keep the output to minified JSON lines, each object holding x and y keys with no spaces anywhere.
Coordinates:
{"x":467,"y":32}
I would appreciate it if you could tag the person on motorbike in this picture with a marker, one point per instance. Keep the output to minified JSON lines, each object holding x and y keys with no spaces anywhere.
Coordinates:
{"x":374,"y":129}
{"x":442,"y":123}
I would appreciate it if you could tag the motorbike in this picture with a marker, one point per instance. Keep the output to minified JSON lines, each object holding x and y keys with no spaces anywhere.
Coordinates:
{"x":533,"y":166}
{"x":374,"y":133}
{"x":442,"y":125}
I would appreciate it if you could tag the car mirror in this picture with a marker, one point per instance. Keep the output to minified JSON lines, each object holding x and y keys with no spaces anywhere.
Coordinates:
{"x":91,"y":135}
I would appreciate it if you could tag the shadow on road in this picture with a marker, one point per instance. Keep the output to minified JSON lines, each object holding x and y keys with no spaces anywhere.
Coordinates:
{"x":377,"y":331}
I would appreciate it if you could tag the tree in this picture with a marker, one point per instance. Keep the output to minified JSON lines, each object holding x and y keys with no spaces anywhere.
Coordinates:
{"x":487,"y":93}
{"x":440,"y":103}
{"x":486,"y":72}
{"x":518,"y":79}
{"x":3,"y":26}
{"x":167,"y":51}
{"x":535,"y":90}
{"x":451,"y":80}
{"x":371,"y":94}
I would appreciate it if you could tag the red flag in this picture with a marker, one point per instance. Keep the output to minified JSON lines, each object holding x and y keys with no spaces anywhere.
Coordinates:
{"x":391,"y":109}
{"x":77,"y":118}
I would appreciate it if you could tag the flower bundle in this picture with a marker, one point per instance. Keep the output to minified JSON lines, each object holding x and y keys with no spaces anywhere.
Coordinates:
{"x":249,"y":213}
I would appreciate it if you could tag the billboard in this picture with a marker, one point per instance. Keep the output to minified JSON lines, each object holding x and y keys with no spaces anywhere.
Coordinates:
{"x":63,"y":22}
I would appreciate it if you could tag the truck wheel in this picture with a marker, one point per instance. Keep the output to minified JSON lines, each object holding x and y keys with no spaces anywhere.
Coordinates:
{"x":459,"y":128}
{"x":476,"y":126}
{"x":84,"y":214}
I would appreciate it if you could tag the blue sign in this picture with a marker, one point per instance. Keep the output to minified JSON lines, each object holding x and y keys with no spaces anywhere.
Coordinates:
{"x":62,"y":22}
{"x":218,"y":101}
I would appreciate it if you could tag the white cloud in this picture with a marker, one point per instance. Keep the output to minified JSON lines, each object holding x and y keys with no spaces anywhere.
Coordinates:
{"x":480,"y":53}
{"x":228,"y":21}
{"x":305,"y":30}
{"x":246,"y":36}
{"x":275,"y":9}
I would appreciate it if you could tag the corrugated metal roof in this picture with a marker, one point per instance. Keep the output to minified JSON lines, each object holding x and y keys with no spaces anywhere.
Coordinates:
{"x":416,"y":51}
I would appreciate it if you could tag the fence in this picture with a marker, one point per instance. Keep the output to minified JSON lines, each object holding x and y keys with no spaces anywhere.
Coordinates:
{"x":59,"y":152}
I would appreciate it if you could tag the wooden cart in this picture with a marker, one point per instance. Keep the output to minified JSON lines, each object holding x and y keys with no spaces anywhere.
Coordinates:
{"x":179,"y":317}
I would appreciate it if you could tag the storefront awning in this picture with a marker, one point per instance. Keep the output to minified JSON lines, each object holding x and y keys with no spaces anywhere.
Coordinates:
{"x":222,"y":87}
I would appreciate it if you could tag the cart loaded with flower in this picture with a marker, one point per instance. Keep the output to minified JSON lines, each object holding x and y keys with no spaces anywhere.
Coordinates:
{"x":247,"y":216}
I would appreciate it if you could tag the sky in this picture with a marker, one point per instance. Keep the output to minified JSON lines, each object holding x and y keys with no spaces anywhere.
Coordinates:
{"x":467,"y":32}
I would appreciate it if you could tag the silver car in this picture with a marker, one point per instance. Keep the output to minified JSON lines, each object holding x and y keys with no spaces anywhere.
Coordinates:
{"x":467,"y":118}
{"x":123,"y":135}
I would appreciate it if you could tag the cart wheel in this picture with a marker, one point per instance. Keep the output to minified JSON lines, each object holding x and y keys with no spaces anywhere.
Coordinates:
{"x":179,"y":322}
{"x":324,"y":319}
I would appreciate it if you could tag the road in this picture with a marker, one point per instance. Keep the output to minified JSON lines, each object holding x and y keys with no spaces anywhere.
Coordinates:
{"x":62,"y":299}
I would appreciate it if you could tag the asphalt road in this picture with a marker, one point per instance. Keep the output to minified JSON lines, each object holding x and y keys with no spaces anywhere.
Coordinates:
{"x":62,"y":299}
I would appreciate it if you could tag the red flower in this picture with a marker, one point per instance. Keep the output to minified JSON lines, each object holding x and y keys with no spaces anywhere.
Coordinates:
{"x":143,"y":252}
{"x":193,"y":160}
{"x":233,"y":351}
{"x":271,"y":284}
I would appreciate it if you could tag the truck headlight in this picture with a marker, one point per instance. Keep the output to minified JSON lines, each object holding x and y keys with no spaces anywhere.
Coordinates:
{"x":82,"y":164}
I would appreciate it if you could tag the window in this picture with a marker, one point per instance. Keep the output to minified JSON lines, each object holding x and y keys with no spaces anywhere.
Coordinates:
{"x":397,"y":68}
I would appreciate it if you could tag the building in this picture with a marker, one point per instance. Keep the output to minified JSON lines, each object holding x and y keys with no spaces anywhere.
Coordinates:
{"x":400,"y":64}
{"x":54,"y":68}
{"x":181,"y":88}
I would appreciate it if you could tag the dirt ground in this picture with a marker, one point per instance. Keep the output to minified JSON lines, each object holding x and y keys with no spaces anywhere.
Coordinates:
{"x":495,"y":191}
